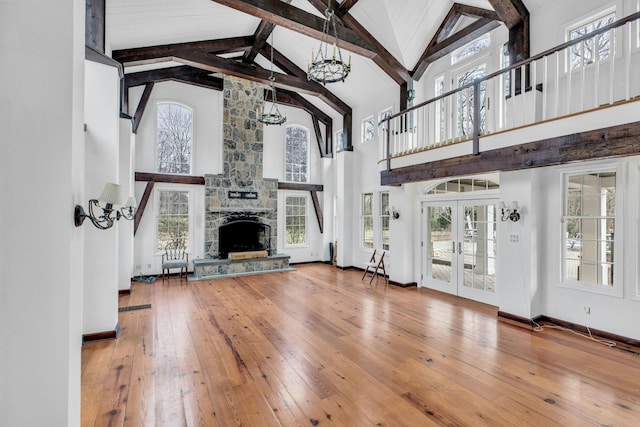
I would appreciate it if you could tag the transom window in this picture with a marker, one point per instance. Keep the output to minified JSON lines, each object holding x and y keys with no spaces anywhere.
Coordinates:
{"x":594,"y":49}
{"x":296,"y":161}
{"x":295,"y":220}
{"x":589,"y":228}
{"x":173,"y":218}
{"x":470,"y":49}
{"x":174,"y":138}
{"x":464,"y":185}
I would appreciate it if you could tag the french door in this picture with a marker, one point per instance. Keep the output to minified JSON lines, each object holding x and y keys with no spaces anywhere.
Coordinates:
{"x":459,"y":248}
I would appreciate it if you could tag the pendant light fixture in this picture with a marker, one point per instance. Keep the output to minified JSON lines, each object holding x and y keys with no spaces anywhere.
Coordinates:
{"x":273,"y":116}
{"x":324,"y":68}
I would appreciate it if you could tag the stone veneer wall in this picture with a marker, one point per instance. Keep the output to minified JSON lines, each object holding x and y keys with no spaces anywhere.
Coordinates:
{"x":243,"y":159}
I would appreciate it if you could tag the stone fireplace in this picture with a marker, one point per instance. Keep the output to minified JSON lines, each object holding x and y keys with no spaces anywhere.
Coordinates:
{"x":241,"y":207}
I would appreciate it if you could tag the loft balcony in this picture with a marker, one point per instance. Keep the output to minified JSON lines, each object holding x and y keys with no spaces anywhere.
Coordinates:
{"x":577,"y":101}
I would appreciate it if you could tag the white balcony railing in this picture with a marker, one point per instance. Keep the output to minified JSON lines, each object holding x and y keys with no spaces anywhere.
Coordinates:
{"x":597,"y":70}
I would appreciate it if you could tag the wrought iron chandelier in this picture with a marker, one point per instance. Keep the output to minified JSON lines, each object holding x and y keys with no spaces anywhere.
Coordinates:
{"x":324,"y":69}
{"x":273,"y":116}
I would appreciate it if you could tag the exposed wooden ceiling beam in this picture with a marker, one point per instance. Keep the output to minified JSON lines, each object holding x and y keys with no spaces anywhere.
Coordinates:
{"x":448,"y":45}
{"x":516,"y":17}
{"x":261,"y":35}
{"x":217,"y":64}
{"x":298,"y":20}
{"x":346,"y":6}
{"x":202,"y":80}
{"x":160,"y":53}
{"x":162,"y":74}
{"x":445,"y":30}
{"x":511,"y":12}
{"x":383,"y":58}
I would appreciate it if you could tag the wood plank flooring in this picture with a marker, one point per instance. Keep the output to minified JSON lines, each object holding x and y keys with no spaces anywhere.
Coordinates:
{"x":317,"y":347}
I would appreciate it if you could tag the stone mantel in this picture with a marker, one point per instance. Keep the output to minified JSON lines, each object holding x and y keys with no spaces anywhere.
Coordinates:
{"x":241,"y":210}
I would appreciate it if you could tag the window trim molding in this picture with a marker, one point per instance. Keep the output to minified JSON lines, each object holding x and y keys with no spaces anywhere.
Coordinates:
{"x":193,"y":134}
{"x":617,"y":288}
{"x":284,"y":152}
{"x":156,"y":195}
{"x":306,"y":197}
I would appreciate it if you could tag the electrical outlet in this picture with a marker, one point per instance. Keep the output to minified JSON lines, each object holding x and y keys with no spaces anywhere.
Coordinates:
{"x":587,"y":309}
{"x":149,"y":266}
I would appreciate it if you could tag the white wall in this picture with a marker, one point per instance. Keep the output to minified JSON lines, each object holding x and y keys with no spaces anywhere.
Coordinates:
{"x":274,"y":139}
{"x":207,"y":158}
{"x":41,"y":256}
{"x":102,"y":157}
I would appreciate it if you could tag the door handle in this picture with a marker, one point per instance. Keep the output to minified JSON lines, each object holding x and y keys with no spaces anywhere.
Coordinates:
{"x":453,"y":249}
{"x":459,"y":248}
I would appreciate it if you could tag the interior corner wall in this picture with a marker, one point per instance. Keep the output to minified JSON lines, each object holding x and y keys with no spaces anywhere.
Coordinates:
{"x":102,"y":161}
{"x":40,"y":163}
{"x":125,"y":227}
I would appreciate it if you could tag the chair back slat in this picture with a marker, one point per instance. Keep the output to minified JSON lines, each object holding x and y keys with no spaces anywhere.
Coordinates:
{"x":174,"y":249}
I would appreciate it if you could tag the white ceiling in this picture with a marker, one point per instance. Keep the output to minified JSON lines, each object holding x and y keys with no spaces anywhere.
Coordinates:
{"x":403,"y":27}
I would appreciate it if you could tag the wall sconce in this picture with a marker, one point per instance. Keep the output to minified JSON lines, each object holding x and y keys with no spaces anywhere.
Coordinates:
{"x":510,"y":212}
{"x":411,"y":95}
{"x":393,"y":212}
{"x":103,"y":217}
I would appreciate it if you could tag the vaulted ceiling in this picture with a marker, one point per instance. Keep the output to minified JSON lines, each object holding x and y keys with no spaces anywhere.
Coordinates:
{"x":391,"y":42}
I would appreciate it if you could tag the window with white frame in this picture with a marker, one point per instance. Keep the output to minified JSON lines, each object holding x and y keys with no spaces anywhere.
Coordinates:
{"x":296,"y":157}
{"x":384,"y":220}
{"x":338,"y":142}
{"x":470,"y":49}
{"x":466,"y":99}
{"x":593,"y":49}
{"x":589,"y":232}
{"x":368,"y":129}
{"x":295,"y":229}
{"x":173,"y":217}
{"x":174,"y":142}
{"x":366,"y":225}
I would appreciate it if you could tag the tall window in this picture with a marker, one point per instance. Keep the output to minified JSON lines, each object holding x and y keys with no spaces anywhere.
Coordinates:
{"x":440,"y":110}
{"x":466,"y":100}
{"x":589,"y":228}
{"x":174,"y":139}
{"x":593,"y":49}
{"x":367,"y":220}
{"x":173,"y":217}
{"x":295,"y":220}
{"x":368,"y":129}
{"x":384,"y":220}
{"x":296,"y":160}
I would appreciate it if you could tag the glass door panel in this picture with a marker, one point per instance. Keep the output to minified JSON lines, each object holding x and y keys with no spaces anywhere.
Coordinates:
{"x":440,"y":239}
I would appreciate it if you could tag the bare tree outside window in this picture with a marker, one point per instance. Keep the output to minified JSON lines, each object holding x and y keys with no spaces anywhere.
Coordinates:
{"x":368,"y":129}
{"x":296,"y":220}
{"x":367,"y":220}
{"x":466,"y":100}
{"x":594,"y":49}
{"x":173,"y":218}
{"x":174,"y":139}
{"x":470,"y":49}
{"x":296,"y":160}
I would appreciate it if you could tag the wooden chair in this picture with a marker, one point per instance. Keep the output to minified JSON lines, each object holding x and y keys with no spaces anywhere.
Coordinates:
{"x":372,"y":268}
{"x":175,"y":257}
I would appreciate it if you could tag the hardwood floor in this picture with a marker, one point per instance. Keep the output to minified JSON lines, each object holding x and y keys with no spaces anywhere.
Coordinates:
{"x":318,"y":347}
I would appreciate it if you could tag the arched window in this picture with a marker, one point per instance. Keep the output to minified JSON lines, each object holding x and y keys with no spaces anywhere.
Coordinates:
{"x":296,"y":154}
{"x":174,"y":138}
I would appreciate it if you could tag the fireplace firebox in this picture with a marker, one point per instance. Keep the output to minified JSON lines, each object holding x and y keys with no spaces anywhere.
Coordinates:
{"x":241,"y":235}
